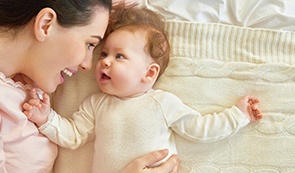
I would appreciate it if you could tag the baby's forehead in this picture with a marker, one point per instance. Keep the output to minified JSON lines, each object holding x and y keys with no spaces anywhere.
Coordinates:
{"x":126,"y":38}
{"x":125,"y":32}
{"x":132,"y":29}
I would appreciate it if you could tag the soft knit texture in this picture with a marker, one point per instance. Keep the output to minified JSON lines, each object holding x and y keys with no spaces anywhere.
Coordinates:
{"x":211,"y":67}
{"x":217,"y":64}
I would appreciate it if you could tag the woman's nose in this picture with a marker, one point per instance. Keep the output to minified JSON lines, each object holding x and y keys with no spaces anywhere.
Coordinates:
{"x":87,"y":63}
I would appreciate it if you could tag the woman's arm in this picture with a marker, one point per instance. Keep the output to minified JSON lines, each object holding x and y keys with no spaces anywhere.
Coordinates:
{"x":141,"y":165}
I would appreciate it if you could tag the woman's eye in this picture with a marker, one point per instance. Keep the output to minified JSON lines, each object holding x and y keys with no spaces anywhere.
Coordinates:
{"x":119,"y":56}
{"x":90,"y":45}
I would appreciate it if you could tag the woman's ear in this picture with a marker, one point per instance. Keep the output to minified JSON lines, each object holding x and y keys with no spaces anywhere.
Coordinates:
{"x":152,"y":73}
{"x":43,"y":23}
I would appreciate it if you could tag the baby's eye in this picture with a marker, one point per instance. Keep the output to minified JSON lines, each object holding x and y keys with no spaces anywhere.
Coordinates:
{"x":119,"y":56}
{"x":103,"y":55}
{"x":90,"y":45}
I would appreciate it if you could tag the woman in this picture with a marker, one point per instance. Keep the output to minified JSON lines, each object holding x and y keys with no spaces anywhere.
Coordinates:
{"x":41,"y":40}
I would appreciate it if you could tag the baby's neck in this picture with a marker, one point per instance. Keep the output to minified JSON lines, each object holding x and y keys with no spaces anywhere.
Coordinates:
{"x":133,"y":95}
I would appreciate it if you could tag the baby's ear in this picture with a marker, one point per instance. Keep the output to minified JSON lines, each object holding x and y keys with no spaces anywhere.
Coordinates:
{"x":43,"y":23}
{"x":152,"y":73}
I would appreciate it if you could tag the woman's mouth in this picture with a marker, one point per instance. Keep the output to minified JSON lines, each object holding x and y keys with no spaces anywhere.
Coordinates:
{"x":67,"y":72}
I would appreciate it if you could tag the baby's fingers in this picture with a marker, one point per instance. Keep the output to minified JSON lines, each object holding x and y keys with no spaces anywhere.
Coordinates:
{"x":27,"y":110}
{"x":28,"y":114}
{"x":35,"y":102}
{"x":34,"y":94}
{"x":253,"y":100}
{"x":46,"y":98}
{"x":27,"y":107}
{"x":254,"y":107}
{"x":257,"y":114}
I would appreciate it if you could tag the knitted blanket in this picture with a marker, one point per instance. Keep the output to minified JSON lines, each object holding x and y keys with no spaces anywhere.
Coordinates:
{"x":211,"y":67}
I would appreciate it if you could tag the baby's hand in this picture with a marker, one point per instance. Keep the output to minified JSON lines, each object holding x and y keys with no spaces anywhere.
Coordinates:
{"x":248,"y":105}
{"x":37,"y":110}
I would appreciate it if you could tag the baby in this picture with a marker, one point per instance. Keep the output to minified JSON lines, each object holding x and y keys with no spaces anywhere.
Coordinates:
{"x":129,"y":118}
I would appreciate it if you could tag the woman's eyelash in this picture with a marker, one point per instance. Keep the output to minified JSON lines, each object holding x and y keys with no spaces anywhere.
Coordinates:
{"x":89,"y":45}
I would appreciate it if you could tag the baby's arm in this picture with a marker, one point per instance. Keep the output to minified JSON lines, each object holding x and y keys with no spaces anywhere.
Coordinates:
{"x":69,"y":133}
{"x":37,"y":110}
{"x":248,"y":105}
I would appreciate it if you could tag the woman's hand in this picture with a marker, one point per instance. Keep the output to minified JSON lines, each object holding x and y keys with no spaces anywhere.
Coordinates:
{"x":141,"y":165}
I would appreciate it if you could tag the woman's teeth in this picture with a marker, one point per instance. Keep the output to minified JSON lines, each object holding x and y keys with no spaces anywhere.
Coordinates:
{"x":67,"y":72}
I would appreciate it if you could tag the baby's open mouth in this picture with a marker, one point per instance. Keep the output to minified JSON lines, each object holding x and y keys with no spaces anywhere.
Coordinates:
{"x":104,"y":76}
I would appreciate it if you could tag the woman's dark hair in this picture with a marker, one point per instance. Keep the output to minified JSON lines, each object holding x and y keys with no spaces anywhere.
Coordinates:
{"x":15,"y":14}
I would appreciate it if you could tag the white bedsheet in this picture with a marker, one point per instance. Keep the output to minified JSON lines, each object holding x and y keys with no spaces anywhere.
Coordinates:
{"x":272,"y":14}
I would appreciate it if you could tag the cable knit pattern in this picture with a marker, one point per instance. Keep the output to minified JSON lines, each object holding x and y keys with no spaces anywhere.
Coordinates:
{"x":230,"y":43}
{"x":211,"y":67}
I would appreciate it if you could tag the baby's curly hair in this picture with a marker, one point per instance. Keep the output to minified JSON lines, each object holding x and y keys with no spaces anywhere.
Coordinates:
{"x":134,"y":18}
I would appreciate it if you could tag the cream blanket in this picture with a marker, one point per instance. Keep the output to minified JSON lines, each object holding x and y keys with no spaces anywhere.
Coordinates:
{"x":211,"y":67}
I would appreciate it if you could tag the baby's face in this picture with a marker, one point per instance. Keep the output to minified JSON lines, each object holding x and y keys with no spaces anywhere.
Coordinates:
{"x":123,"y":64}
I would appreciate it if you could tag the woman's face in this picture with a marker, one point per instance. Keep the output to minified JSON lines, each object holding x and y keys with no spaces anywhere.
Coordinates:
{"x":67,"y":49}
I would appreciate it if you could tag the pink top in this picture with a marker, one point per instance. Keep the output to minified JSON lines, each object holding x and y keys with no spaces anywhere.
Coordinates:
{"x":22,"y":147}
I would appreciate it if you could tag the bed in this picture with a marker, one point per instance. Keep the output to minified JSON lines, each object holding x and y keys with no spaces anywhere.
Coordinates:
{"x":221,"y":50}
